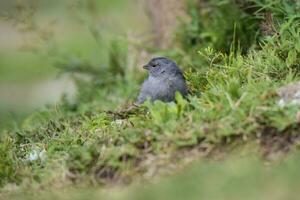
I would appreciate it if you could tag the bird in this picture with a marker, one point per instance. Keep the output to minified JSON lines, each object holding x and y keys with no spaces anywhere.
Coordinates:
{"x":164,"y":80}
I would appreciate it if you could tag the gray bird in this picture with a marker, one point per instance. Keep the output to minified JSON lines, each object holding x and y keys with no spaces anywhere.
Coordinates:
{"x":165,"y":78}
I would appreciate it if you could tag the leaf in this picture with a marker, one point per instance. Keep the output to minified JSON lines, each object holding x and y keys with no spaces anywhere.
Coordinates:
{"x":181,"y":104}
{"x":291,"y":58}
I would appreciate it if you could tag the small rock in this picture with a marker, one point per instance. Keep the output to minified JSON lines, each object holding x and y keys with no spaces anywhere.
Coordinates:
{"x":118,"y":122}
{"x":289,"y":94}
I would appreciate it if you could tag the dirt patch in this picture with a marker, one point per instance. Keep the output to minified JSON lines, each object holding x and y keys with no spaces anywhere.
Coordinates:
{"x":275,"y":143}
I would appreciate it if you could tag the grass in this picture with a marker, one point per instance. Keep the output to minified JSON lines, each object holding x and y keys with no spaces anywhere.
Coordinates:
{"x":205,"y":179}
{"x":98,"y":139}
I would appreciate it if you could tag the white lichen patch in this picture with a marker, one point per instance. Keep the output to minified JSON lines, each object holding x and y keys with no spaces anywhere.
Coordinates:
{"x":36,"y":154}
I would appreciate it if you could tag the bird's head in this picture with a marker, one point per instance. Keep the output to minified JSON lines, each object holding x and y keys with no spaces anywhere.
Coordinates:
{"x":161,"y":66}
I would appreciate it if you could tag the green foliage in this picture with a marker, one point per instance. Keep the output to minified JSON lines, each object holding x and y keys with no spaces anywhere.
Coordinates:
{"x":161,"y":113}
{"x":217,"y":24}
{"x":7,"y":164}
{"x":81,"y":158}
{"x":118,"y":57}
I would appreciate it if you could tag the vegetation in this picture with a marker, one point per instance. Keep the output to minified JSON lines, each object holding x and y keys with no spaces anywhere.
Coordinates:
{"x":234,"y":63}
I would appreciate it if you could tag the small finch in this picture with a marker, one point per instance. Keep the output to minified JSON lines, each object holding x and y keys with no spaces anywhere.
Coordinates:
{"x":164,"y":80}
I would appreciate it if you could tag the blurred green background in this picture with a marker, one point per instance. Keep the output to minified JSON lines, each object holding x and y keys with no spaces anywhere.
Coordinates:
{"x":30,"y":49}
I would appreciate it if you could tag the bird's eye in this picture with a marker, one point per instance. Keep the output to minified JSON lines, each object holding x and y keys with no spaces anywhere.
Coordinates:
{"x":155,"y":65}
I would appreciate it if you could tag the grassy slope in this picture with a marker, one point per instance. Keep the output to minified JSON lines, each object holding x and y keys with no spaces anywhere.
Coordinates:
{"x":233,"y":99}
{"x":235,"y":178}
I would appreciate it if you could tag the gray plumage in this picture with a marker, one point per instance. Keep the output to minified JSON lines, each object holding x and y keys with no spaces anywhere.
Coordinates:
{"x":165,"y":78}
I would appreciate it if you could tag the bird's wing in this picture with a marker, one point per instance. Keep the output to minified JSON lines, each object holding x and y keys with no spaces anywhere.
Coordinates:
{"x":177,"y":84}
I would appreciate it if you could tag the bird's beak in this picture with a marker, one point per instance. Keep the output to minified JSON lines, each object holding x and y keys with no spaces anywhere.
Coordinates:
{"x":147,"y":67}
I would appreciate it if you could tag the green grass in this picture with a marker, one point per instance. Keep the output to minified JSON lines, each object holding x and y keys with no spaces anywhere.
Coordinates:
{"x":97,"y":140}
{"x":235,"y":178}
